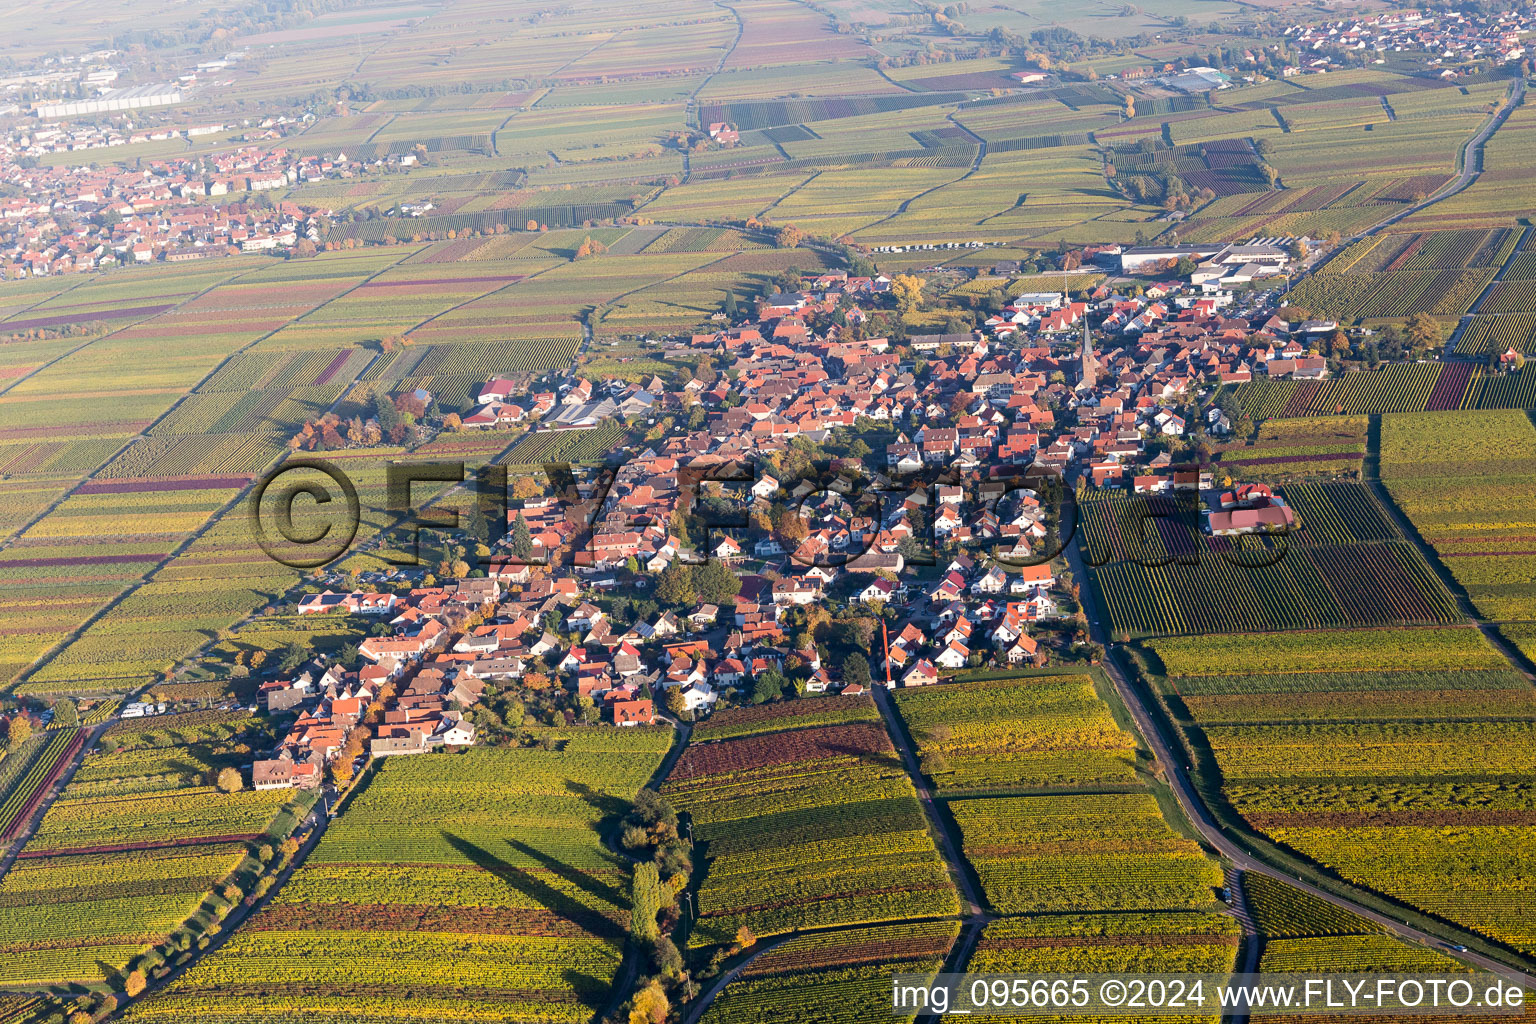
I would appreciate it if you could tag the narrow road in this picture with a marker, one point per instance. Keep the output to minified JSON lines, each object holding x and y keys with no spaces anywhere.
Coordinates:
{"x":1477,"y":305}
{"x":726,"y":977}
{"x":1200,"y":817}
{"x":316,"y":818}
{"x":25,"y":833}
{"x":1253,"y":942}
{"x":898,"y":733}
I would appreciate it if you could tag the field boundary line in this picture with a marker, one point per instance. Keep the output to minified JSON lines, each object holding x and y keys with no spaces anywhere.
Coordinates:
{"x":214,"y":517}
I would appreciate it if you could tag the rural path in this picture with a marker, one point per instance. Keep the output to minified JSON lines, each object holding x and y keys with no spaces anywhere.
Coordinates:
{"x":707,"y":997}
{"x":24,"y":835}
{"x":1176,"y":770}
{"x":897,"y":730}
{"x":1477,"y":304}
{"x":690,"y":110}
{"x":317,"y":820}
{"x":902,"y":207}
{"x":1253,"y":942}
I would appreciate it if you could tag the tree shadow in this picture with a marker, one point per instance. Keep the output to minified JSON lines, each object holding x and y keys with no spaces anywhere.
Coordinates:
{"x":543,"y":894}
{"x":580,"y":879}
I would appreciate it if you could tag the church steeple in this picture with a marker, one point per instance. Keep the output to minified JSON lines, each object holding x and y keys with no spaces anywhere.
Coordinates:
{"x":1087,"y":368}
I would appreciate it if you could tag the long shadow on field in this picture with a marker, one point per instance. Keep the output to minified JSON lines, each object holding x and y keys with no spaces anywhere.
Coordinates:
{"x":540,"y":892}
{"x":610,"y":807}
{"x":582,"y":880}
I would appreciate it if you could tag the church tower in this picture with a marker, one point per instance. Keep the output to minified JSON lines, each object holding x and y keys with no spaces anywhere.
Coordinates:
{"x":1088,"y":366}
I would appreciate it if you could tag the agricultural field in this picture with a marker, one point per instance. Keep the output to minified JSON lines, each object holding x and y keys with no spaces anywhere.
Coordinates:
{"x":1041,"y":782}
{"x":843,"y":976}
{"x":1156,"y":570}
{"x":1320,"y":446}
{"x":142,"y":813}
{"x":28,"y":771}
{"x":1395,"y":387}
{"x":1281,"y":911}
{"x":1035,"y":732}
{"x":809,"y":826}
{"x":806,"y":713}
{"x":1386,"y":756}
{"x":1495,"y":335}
{"x":476,"y":880}
{"x":1464,"y":479}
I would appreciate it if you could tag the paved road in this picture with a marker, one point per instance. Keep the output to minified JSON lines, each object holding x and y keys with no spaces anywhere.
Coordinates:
{"x":1176,"y":773}
{"x":1253,"y":942}
{"x":725,"y":978}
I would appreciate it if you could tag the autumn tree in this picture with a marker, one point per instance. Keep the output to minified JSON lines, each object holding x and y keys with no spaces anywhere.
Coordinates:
{"x":229,"y":780}
{"x":650,"y":1005}
{"x":1424,"y":331}
{"x":133,"y":983}
{"x":525,"y":487}
{"x":18,"y":731}
{"x":908,"y":290}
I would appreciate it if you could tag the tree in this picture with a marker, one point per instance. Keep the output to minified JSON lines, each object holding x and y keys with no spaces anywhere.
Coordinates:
{"x":650,"y":1005}
{"x":229,"y":780}
{"x":715,"y":583}
{"x":385,"y":412}
{"x":788,"y":237}
{"x":522,"y":539}
{"x":292,"y":657}
{"x":908,"y":291}
{"x":19,"y":731}
{"x":856,"y":669}
{"x":133,"y":983}
{"x":525,"y":487}
{"x":1423,"y":331}
{"x":675,"y":701}
{"x":66,"y":713}
{"x":744,"y":937}
{"x":729,"y":309}
{"x":768,"y":686}
{"x":453,"y":422}
{"x":676,"y":585}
